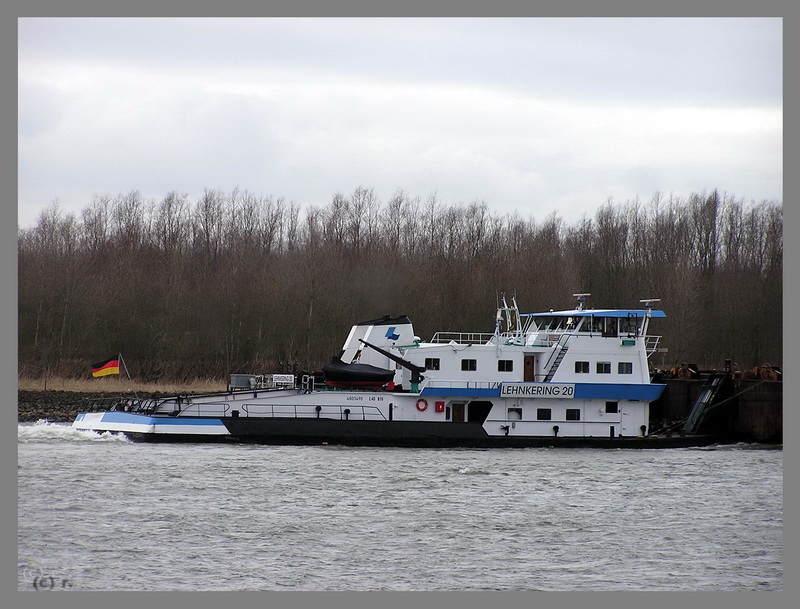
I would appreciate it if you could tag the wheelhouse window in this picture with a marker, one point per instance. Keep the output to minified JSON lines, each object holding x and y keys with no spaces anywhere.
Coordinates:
{"x":630,"y":326}
{"x":582,"y":367}
{"x":432,"y":363}
{"x":469,"y":365}
{"x":611,"y":327}
{"x":543,"y":414}
{"x":612,"y":407}
{"x":625,"y":368}
{"x":603,"y":367}
{"x":547,"y":324}
{"x":573,"y":414}
{"x":505,"y":365}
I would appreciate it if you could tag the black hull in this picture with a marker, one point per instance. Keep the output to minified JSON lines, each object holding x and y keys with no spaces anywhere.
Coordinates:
{"x":410,"y":434}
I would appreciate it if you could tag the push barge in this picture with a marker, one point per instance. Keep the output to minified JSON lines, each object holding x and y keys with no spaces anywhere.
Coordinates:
{"x":573,"y":378}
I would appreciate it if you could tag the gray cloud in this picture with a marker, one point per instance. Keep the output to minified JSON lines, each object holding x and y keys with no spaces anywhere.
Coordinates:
{"x":532,"y":115}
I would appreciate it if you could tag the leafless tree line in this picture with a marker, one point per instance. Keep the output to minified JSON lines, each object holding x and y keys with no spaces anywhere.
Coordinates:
{"x":240,"y":282}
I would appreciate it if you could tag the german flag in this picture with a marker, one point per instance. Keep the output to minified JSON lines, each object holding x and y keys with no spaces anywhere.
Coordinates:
{"x":109,"y":366}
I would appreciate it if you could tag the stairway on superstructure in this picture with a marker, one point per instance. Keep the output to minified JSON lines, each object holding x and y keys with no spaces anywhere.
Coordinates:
{"x":556,"y":363}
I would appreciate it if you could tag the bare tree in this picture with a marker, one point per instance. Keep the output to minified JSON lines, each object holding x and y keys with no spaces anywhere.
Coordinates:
{"x":236,"y":280}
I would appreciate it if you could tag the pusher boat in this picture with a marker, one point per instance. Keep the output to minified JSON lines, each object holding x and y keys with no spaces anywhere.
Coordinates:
{"x":577,"y":377}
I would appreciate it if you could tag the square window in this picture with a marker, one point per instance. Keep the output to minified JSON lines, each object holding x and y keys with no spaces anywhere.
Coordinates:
{"x":514,"y":414}
{"x":625,"y":368}
{"x":432,"y":363}
{"x":469,"y":364}
{"x":612,"y":407}
{"x":543,"y":414}
{"x":505,"y":365}
{"x":603,"y":367}
{"x":573,"y":414}
{"x":582,"y":367}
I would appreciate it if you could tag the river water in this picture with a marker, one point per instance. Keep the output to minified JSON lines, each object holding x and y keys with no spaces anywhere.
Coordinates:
{"x":98,"y":512}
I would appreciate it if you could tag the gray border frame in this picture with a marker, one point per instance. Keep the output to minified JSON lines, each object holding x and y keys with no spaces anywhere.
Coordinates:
{"x":8,"y":36}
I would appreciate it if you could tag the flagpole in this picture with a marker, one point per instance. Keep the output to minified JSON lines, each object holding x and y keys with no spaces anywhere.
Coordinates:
{"x":124,"y":365}
{"x":130,"y":380}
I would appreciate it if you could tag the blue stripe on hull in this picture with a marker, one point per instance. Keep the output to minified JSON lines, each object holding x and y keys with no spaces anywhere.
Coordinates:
{"x":139,"y":419}
{"x":583,"y":391}
{"x":460,"y":392}
{"x":603,"y":391}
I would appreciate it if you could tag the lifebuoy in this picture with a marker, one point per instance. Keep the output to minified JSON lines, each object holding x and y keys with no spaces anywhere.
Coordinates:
{"x":422,"y":405}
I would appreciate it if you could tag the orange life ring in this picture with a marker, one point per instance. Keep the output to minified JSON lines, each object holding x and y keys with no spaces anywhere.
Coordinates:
{"x":422,"y":405}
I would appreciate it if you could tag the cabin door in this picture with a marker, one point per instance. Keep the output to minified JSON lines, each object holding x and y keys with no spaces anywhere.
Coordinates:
{"x":458,"y":412}
{"x":530,"y":367}
{"x":628,"y":422}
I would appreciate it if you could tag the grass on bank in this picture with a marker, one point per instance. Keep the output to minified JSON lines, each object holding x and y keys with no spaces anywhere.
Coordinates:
{"x":116,"y":384}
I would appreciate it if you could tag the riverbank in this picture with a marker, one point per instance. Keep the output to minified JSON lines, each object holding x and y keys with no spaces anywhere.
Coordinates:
{"x":117,"y":385}
{"x":60,"y":406}
{"x":61,"y":399}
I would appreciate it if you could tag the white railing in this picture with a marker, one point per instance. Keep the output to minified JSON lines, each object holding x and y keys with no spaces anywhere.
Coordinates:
{"x":197,"y":409}
{"x":651,"y":344}
{"x":462,"y":384}
{"x":304,"y":411}
{"x":467,"y":338}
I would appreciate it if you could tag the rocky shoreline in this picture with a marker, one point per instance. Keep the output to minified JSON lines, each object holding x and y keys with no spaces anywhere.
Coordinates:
{"x":60,"y":406}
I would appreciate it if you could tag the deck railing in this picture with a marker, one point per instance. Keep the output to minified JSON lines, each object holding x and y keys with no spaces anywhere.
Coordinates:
{"x":462,"y":384}
{"x":651,"y":344}
{"x":464,"y":338}
{"x":302,"y":411}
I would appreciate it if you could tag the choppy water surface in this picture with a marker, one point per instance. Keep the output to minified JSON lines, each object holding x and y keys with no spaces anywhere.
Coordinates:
{"x":97,"y":512}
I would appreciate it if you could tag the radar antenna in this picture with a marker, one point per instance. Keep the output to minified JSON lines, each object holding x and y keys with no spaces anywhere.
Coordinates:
{"x":581,"y":299}
{"x":648,"y":303}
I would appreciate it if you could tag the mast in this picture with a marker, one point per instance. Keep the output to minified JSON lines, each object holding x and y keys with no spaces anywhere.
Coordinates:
{"x":648,"y":303}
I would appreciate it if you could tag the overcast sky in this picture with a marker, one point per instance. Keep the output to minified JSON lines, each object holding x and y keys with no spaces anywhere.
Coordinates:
{"x":529,"y":115}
